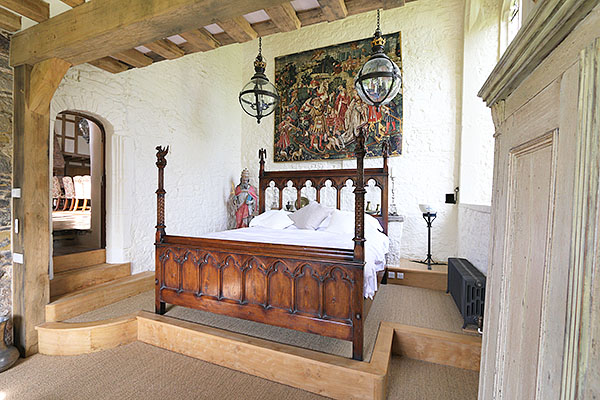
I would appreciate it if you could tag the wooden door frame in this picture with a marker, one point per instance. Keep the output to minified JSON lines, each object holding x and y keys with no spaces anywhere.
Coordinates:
{"x":103,"y":178}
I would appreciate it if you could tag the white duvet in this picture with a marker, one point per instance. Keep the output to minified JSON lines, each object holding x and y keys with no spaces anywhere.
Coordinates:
{"x":376,"y":245}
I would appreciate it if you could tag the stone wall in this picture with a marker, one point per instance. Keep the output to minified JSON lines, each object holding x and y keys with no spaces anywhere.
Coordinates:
{"x":6,"y":108}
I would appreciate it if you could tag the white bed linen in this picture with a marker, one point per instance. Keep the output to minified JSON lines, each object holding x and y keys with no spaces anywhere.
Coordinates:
{"x":376,"y":245}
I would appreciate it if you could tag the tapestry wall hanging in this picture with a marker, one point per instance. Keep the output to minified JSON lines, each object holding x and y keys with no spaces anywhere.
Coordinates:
{"x":320,"y":110}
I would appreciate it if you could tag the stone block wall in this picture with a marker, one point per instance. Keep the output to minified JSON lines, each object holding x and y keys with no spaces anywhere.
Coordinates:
{"x":6,"y":110}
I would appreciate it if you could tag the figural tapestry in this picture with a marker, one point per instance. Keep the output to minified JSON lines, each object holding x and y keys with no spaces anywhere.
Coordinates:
{"x":319,"y":111}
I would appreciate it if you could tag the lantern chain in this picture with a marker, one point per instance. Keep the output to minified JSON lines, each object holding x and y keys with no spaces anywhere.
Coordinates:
{"x":378,"y":25}
{"x":260,"y":46}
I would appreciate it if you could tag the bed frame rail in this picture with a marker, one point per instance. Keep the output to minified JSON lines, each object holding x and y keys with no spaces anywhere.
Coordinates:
{"x":309,"y":289}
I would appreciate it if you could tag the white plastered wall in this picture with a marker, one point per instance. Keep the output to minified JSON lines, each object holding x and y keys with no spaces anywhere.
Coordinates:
{"x":189,"y":104}
{"x":432,"y":52}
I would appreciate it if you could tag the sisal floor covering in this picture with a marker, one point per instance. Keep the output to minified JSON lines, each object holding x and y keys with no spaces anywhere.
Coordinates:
{"x":394,"y":303}
{"x":141,"y":371}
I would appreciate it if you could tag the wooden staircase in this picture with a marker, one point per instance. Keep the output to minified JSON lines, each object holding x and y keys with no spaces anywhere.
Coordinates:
{"x":84,"y":282}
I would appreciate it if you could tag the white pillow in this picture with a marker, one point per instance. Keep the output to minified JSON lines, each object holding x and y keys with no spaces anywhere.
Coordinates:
{"x":310,"y":216}
{"x":342,"y":222}
{"x":276,"y":219}
{"x":256,"y":221}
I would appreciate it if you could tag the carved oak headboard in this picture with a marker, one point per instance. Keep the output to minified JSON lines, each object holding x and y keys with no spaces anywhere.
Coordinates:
{"x":319,"y":180}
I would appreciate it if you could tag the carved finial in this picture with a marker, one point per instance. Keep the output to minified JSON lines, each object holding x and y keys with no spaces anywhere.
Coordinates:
{"x":363,"y":131}
{"x":161,"y":152}
{"x":262,"y":155}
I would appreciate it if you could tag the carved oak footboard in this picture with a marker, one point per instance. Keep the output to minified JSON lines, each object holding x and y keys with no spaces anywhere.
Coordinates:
{"x":309,"y":289}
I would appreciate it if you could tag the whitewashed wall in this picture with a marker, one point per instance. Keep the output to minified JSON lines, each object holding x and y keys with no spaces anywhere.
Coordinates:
{"x":168,"y":103}
{"x":474,"y":237}
{"x":432,"y":51}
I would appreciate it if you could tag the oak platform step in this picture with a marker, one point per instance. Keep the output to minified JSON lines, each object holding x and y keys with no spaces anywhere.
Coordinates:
{"x":82,"y":259}
{"x":85,"y":300}
{"x":417,"y":275}
{"x":80,"y":278}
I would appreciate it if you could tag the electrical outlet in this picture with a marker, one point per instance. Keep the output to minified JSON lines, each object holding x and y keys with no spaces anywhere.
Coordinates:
{"x":400,"y":275}
{"x":391,"y":275}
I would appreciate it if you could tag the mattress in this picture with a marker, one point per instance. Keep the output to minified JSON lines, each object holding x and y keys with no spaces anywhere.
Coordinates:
{"x":376,"y":245}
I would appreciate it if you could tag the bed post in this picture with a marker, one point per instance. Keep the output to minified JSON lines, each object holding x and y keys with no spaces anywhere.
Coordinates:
{"x":161,"y":163}
{"x":385,"y":149}
{"x":359,"y":242}
{"x":262,"y":154}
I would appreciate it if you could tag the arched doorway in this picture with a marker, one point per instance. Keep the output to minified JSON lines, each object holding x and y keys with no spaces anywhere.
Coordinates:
{"x":78,"y":183}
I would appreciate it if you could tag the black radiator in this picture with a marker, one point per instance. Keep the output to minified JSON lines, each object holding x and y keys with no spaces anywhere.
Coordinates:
{"x":466,"y":284}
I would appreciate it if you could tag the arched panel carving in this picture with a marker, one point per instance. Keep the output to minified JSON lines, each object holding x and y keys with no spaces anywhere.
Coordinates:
{"x":232,"y":279}
{"x":280,"y":286}
{"x":306,"y":285}
{"x":171,"y":270}
{"x":255,"y":280}
{"x":337,"y":295}
{"x":189,"y":272}
{"x":209,"y":276}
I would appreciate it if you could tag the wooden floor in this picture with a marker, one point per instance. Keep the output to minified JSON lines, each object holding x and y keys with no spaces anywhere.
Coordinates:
{"x":71,"y":220}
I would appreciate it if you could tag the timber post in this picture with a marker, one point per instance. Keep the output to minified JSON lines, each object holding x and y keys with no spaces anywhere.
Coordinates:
{"x":161,"y":163}
{"x":359,"y":196}
{"x":262,"y":155}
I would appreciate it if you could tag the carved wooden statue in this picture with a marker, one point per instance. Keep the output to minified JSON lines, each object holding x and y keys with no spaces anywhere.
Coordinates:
{"x":245,"y":201}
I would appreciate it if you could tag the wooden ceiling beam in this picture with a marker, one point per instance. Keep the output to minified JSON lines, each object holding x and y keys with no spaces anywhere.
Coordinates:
{"x":265,"y":28}
{"x":8,"y":21}
{"x":36,"y":10}
{"x":311,"y":17}
{"x":165,"y":48}
{"x":239,"y":29}
{"x":360,"y":6}
{"x":109,"y":64}
{"x":134,"y":58}
{"x":284,"y":17}
{"x":73,"y":3}
{"x":334,"y":9}
{"x":200,"y":40}
{"x":97,"y":29}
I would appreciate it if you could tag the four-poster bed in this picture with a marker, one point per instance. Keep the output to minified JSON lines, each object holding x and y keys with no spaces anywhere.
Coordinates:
{"x":306,"y":288}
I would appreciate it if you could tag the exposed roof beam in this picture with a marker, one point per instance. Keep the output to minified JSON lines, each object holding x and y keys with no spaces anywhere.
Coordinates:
{"x":239,"y":29}
{"x":310,"y":17}
{"x":134,"y":58}
{"x":36,"y":10}
{"x":165,"y":48}
{"x":200,"y":40}
{"x":97,"y":29}
{"x":110,"y":64}
{"x":334,"y":9}
{"x":73,"y":3}
{"x":284,"y":17}
{"x":361,"y":6}
{"x":9,"y":21}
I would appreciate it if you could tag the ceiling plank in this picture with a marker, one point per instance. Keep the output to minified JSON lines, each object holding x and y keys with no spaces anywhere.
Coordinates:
{"x":36,"y":10}
{"x":239,"y":29}
{"x":9,"y":21}
{"x":165,"y":48}
{"x":73,"y":3}
{"x":312,"y":16}
{"x":200,"y":40}
{"x":284,"y":17}
{"x":334,"y":9}
{"x":109,"y":64}
{"x":134,"y":58}
{"x":97,"y":29}
{"x":360,"y":6}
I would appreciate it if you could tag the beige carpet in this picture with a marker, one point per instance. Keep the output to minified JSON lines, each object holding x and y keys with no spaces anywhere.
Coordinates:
{"x":141,"y":371}
{"x":393,"y":303}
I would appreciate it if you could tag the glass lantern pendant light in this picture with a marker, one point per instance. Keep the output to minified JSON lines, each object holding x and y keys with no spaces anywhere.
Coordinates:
{"x":259,"y":97}
{"x":379,"y":80}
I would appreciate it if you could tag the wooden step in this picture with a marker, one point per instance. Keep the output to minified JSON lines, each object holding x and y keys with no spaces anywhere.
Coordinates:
{"x":76,"y":279}
{"x":410,"y":273}
{"x":78,"y":260}
{"x":73,"y":304}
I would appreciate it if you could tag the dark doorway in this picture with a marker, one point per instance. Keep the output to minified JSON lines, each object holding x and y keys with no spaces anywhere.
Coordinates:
{"x":78,"y":184}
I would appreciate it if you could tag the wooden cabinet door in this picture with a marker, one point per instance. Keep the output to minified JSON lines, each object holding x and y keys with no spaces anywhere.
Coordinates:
{"x":531,"y":232}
